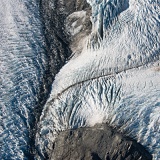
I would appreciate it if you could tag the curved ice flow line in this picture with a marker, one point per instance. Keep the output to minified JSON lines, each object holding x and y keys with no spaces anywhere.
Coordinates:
{"x":22,"y":66}
{"x":129,"y":99}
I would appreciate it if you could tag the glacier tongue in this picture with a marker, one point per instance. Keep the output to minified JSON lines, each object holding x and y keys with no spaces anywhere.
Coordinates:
{"x":115,"y":79}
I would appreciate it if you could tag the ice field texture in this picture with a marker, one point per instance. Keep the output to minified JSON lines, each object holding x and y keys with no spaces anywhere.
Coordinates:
{"x":22,"y":63}
{"x":115,"y":79}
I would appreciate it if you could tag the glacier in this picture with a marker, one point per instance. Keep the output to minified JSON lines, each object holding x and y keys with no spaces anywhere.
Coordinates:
{"x":113,"y":75}
{"x":22,"y":67}
{"x":115,"y":79}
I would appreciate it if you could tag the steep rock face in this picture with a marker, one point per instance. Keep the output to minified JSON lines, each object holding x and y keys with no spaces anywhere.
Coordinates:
{"x":97,"y":143}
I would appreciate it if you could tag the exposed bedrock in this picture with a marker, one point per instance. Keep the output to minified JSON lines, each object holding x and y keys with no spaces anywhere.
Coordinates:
{"x":58,"y":37}
{"x":97,"y":143}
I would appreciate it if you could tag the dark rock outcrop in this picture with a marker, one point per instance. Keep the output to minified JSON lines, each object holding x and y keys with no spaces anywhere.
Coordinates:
{"x":97,"y":143}
{"x":54,"y":14}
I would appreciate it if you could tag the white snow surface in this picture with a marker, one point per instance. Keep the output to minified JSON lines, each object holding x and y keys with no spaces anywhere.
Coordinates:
{"x":116,"y":78}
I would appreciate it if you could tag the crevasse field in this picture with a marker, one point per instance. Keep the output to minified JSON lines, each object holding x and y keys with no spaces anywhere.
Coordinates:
{"x":115,"y":79}
{"x":22,"y":63}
